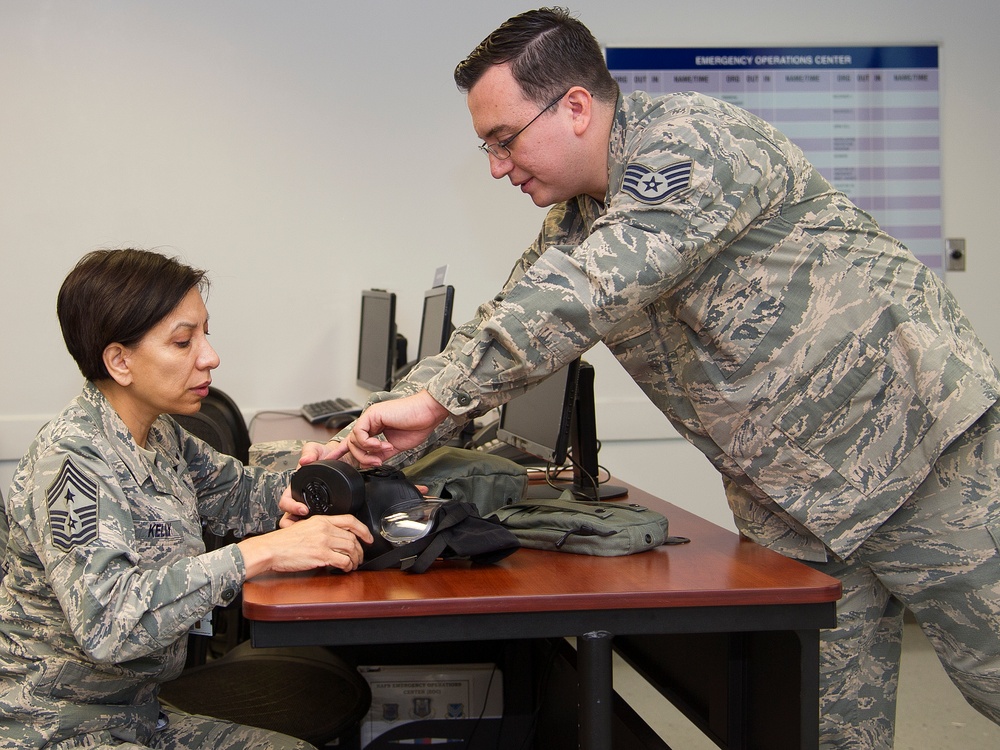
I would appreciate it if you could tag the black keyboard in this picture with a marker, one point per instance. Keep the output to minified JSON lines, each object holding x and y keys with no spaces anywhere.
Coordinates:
{"x":321,"y":411}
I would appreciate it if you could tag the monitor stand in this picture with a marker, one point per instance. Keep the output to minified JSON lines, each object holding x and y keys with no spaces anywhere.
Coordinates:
{"x":540,"y":491}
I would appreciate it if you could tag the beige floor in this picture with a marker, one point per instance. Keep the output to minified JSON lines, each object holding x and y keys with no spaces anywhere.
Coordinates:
{"x":931,"y":713}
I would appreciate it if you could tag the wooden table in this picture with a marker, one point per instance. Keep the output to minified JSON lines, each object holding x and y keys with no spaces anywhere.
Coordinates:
{"x":716,"y":584}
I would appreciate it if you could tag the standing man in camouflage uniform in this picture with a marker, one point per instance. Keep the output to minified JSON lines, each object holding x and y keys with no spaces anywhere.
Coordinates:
{"x":104,"y":569}
{"x":828,"y":375}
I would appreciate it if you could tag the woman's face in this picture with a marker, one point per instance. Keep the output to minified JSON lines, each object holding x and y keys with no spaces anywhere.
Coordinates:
{"x":171,"y":366}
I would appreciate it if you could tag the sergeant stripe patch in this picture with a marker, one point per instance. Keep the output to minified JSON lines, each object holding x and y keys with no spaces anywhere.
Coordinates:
{"x":649,"y":186}
{"x":72,"y":500}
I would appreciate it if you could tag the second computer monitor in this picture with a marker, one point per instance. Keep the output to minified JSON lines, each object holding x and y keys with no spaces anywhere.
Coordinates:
{"x":435,"y":322}
{"x":555,"y":418}
{"x":539,"y":422}
{"x":377,"y":340}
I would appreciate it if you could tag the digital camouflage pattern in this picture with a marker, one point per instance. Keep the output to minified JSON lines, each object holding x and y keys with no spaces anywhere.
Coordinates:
{"x":810,"y":356}
{"x":105,"y":572}
{"x":937,"y":555}
{"x":828,"y":375}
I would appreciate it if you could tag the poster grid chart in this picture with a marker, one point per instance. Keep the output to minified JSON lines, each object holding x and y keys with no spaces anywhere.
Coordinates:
{"x":868,"y":118}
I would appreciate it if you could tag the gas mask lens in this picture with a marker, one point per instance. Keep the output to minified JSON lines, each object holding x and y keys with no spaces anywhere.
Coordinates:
{"x":410,"y":520}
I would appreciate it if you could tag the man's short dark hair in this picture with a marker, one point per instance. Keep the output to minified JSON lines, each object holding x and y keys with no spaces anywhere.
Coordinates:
{"x":548,"y":50}
{"x":117,"y":296}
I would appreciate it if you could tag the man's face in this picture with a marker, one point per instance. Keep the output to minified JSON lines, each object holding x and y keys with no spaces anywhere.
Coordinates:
{"x":543,"y":157}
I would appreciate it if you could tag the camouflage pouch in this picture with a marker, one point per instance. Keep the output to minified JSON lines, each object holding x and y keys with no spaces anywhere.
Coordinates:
{"x":564,"y":524}
{"x":481,"y":479}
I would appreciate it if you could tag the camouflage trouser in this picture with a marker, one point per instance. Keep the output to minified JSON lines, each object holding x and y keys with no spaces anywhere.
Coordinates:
{"x":937,"y":556}
{"x":188,"y":732}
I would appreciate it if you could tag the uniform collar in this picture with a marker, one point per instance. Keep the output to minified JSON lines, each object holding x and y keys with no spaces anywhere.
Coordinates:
{"x":121,"y":440}
{"x":630,"y":111}
{"x":616,"y":149}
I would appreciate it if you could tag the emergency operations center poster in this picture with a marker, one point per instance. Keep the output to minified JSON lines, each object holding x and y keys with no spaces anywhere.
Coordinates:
{"x":867,"y":117}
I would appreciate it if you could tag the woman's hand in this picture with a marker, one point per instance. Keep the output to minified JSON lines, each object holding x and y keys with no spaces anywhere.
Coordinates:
{"x":292,"y":510}
{"x":307,"y":543}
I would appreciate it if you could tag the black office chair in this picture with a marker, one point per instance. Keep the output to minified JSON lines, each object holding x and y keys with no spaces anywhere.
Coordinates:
{"x":309,"y":693}
{"x":210,"y":429}
{"x":218,"y":403}
{"x":220,"y":423}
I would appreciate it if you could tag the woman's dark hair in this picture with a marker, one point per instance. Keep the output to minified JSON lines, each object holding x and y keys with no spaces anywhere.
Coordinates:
{"x":117,"y":296}
{"x":549,"y":51}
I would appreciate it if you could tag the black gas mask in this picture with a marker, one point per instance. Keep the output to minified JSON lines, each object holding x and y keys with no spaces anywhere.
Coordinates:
{"x":383,"y":499}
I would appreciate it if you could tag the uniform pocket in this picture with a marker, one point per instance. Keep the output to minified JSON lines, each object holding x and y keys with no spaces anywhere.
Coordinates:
{"x":729,"y":314}
{"x":80,"y":683}
{"x":857,"y":414}
{"x":158,"y":540}
{"x":994,"y":531}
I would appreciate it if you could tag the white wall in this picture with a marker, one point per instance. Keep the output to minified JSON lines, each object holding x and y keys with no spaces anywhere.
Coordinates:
{"x":304,"y":151}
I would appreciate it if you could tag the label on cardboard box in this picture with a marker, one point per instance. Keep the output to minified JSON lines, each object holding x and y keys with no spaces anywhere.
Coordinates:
{"x":403,"y":694}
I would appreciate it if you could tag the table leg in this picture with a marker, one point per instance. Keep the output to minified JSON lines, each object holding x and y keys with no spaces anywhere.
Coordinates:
{"x":809,"y":687}
{"x":595,"y":690}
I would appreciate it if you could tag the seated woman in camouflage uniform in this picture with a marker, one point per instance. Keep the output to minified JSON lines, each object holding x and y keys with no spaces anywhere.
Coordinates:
{"x":103,"y":563}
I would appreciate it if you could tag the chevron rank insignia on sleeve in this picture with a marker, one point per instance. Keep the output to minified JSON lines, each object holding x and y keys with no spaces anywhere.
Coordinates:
{"x":649,"y":186}
{"x":72,"y":500}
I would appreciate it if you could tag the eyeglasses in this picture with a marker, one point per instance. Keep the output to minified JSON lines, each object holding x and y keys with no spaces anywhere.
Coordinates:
{"x":501,"y":149}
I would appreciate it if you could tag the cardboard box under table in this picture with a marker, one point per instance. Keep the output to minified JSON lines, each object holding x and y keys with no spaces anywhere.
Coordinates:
{"x":425,"y":703}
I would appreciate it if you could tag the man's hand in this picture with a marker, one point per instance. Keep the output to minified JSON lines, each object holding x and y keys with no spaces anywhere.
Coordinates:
{"x":389,"y":427}
{"x":323,"y":452}
{"x":311,"y":452}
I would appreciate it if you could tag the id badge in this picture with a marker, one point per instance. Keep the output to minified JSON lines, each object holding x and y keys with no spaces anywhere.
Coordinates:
{"x":203,"y":626}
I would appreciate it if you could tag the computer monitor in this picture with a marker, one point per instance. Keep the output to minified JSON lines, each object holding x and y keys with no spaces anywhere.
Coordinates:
{"x":435,"y":321}
{"x":435,"y":329}
{"x":377,"y":345}
{"x":557,"y":419}
{"x":539,"y":421}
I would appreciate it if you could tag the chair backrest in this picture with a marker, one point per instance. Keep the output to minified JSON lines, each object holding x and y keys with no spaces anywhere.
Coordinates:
{"x":219,"y":403}
{"x":210,"y":429}
{"x":220,"y":423}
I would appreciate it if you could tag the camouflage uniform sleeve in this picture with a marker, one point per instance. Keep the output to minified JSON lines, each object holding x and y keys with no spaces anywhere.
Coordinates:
{"x":126,"y":593}
{"x":573,"y":295}
{"x":564,"y":222}
{"x":416,"y":380}
{"x":231,"y":496}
